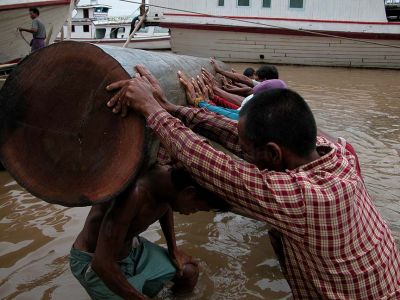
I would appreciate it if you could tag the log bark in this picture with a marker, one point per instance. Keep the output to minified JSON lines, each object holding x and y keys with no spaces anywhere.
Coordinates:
{"x":57,"y":137}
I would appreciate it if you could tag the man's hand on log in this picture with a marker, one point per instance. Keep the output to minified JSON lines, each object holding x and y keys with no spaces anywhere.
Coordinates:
{"x":215,"y":65}
{"x":205,"y":87}
{"x":191,"y":88}
{"x":157,"y":91}
{"x":136,"y":93}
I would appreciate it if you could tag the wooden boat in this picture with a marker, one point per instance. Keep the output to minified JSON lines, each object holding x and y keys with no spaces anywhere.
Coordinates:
{"x":353,"y":33}
{"x":15,"y":13}
{"x":92,"y":24}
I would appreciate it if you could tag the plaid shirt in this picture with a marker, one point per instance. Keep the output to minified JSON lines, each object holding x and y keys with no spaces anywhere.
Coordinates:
{"x":336,"y":244}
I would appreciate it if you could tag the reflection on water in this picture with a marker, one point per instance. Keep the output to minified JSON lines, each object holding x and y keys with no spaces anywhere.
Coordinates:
{"x":236,"y":259}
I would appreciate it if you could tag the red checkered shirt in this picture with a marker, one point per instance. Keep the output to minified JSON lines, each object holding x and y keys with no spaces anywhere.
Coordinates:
{"x":336,"y":244}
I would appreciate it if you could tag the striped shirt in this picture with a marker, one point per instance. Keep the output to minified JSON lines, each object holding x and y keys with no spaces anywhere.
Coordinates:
{"x":336,"y":244}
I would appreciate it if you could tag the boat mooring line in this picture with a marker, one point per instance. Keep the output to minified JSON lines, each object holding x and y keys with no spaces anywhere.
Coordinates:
{"x":267,"y":25}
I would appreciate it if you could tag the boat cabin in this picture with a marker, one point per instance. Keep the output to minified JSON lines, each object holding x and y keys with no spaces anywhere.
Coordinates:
{"x":338,"y":10}
{"x":92,"y":22}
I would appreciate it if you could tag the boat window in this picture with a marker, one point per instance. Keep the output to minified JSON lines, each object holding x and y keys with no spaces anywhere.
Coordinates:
{"x":100,"y":33}
{"x":296,"y":4}
{"x":243,"y":2}
{"x":221,"y":3}
{"x":72,"y":28}
{"x":158,"y":29}
{"x":143,"y":30}
{"x":101,"y":9}
{"x":85,"y":28}
{"x":266,"y":3}
{"x":392,"y":8}
{"x":117,"y":32}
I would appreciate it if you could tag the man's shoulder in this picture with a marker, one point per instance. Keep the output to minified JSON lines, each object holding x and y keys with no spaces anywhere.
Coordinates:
{"x":37,"y":21}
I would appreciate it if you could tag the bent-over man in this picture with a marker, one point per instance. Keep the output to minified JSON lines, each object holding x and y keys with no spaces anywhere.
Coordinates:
{"x":111,"y":260}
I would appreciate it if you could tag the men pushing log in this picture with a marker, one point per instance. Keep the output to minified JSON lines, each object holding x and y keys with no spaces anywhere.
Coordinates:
{"x":334,"y":242}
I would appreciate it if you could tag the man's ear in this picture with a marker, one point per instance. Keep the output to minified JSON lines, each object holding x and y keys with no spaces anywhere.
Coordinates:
{"x":274,"y":154}
{"x":188,"y":193}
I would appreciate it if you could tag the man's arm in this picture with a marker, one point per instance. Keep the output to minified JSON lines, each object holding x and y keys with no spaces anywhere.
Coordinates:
{"x":110,"y":242}
{"x":32,"y":30}
{"x":167,"y":226}
{"x":234,"y":76}
{"x":273,"y":197}
{"x":265,"y":195}
{"x":179,"y":258}
{"x":236,"y":99}
{"x":232,"y":114}
{"x":243,"y":91}
{"x":217,"y":128}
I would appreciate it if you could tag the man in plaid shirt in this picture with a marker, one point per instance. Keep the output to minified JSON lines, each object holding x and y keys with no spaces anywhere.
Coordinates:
{"x":336,"y":244}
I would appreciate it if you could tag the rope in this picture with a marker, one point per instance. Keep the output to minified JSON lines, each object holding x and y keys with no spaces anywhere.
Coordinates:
{"x":112,"y":30}
{"x":137,"y":27}
{"x":20,"y":33}
{"x":267,"y":25}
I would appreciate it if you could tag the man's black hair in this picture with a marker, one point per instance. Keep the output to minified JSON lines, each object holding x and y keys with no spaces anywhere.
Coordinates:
{"x":267,"y":72}
{"x":181,"y":179}
{"x":281,"y":116}
{"x":34,"y":10}
{"x":249,"y":72}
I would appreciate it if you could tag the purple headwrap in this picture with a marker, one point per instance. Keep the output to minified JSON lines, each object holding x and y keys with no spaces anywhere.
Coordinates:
{"x":269,"y":84}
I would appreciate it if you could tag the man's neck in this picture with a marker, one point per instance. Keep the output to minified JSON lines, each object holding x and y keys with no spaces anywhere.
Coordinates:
{"x":294,"y":161}
{"x":164,"y":189}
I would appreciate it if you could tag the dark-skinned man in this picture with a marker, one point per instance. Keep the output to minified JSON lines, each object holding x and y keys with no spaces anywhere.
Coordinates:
{"x":111,"y":260}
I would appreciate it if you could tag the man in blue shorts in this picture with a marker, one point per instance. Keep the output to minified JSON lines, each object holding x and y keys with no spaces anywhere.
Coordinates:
{"x":111,"y":260}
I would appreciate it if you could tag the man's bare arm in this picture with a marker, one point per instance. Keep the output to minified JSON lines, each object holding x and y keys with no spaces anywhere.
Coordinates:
{"x":179,"y":258}
{"x":234,"y":76}
{"x":167,"y":226}
{"x":243,"y":91}
{"x":32,"y":30}
{"x":233,"y":98}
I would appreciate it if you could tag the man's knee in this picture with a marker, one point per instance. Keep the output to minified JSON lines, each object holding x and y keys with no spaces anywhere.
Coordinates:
{"x":188,"y":280}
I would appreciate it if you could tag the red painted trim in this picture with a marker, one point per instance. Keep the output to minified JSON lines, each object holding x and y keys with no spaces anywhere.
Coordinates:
{"x":13,"y":61}
{"x":357,"y":35}
{"x":34,"y":4}
{"x":280,"y":19}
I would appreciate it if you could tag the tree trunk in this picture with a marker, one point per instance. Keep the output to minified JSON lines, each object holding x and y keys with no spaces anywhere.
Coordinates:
{"x":57,"y":137}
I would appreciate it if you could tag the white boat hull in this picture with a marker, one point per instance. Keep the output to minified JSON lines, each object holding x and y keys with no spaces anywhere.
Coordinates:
{"x":13,"y":47}
{"x":317,"y":32}
{"x":275,"y":48}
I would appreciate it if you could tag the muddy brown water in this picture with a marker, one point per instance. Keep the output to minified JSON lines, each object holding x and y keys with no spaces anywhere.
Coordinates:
{"x":234,"y":253}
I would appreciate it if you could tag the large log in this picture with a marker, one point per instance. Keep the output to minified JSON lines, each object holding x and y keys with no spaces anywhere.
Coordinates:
{"x":57,"y":137}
